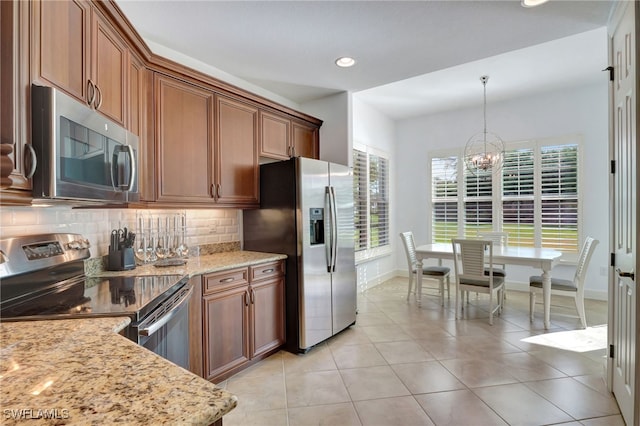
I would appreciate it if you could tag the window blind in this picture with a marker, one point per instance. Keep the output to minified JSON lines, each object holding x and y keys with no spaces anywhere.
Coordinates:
{"x":559,"y":197}
{"x":444,"y":199}
{"x":360,"y":193}
{"x":478,"y":203}
{"x":518,"y":210}
{"x":378,"y":201}
{"x":534,"y":197}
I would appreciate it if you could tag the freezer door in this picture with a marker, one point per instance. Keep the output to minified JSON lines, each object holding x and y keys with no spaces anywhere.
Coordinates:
{"x":344,"y":289}
{"x":314,"y":281}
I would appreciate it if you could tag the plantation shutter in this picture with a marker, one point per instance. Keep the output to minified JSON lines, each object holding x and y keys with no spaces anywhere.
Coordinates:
{"x":360,"y":192}
{"x":444,"y":199}
{"x":478,"y":205}
{"x":559,"y":197}
{"x":518,"y":213}
{"x":379,"y":201}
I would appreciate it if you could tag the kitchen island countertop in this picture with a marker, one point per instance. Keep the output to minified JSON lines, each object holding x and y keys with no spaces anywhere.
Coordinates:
{"x":81,"y":371}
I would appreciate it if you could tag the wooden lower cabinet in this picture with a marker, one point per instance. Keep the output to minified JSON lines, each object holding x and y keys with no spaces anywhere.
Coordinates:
{"x":242,"y":317}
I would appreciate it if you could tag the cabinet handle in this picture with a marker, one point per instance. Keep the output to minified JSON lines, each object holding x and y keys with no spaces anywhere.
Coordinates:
{"x":99,"y":93}
{"x":227,"y":280}
{"x":90,"y":88}
{"x":246,"y":299}
{"x":267,"y":271}
{"x":34,"y":161}
{"x":293,"y":150}
{"x":219,"y":190}
{"x":251,"y":294}
{"x":212,"y":191}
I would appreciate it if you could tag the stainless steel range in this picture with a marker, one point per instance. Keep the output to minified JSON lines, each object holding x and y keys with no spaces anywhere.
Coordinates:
{"x":42,"y":277}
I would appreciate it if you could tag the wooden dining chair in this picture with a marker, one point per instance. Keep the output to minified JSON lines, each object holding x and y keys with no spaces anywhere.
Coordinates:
{"x":470,"y":257}
{"x":439,"y":273}
{"x":573,"y":288}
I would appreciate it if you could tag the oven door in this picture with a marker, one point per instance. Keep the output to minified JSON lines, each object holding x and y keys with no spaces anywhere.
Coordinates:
{"x":165,"y":331}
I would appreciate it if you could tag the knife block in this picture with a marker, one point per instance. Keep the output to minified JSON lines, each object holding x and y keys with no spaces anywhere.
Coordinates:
{"x":121,"y":260}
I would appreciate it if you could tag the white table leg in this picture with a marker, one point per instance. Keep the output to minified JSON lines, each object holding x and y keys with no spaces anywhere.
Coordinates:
{"x":546,"y":295}
{"x":419,"y":282}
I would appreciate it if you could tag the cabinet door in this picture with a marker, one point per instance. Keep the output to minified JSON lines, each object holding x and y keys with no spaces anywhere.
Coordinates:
{"x":305,"y":140}
{"x":275,"y":136}
{"x":267,"y":315}
{"x":226,"y":331}
{"x":237,"y":168}
{"x":183,"y":115}
{"x":109,"y":69}
{"x":61,"y":50}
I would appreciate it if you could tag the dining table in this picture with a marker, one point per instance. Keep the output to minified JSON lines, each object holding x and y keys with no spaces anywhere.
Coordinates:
{"x":536,"y":257}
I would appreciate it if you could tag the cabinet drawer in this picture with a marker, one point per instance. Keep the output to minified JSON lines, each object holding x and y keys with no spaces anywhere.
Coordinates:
{"x":266,"y":270}
{"x":225,"y":280}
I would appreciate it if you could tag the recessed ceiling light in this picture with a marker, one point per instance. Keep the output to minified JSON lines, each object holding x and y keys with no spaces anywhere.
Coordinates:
{"x":533,"y":3}
{"x":345,"y":62}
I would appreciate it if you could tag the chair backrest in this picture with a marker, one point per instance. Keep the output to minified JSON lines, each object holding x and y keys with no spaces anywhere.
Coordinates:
{"x":470,"y":255}
{"x":499,"y":238}
{"x":583,"y":261}
{"x":410,"y":249}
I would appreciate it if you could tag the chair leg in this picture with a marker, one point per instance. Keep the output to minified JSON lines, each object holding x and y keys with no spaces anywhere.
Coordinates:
{"x":410,"y":286}
{"x":441,"y":281}
{"x":490,"y":307}
{"x":448,"y":287}
{"x":457,"y":302}
{"x":532,"y":304}
{"x":581,"y":311}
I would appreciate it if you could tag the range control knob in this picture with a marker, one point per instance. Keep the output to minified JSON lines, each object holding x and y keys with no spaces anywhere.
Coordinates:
{"x":79,"y":244}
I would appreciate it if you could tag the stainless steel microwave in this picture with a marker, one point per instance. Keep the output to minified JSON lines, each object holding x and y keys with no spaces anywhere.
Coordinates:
{"x":80,"y":155}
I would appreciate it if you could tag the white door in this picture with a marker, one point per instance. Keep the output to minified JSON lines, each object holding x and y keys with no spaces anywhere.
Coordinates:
{"x":623,"y":298}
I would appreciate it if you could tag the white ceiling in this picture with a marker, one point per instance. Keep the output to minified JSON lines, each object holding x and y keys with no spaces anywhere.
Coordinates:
{"x":413,"y":57}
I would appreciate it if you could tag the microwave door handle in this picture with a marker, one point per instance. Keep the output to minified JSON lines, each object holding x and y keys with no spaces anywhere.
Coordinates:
{"x":132,"y":169}
{"x":114,"y":165}
{"x":115,"y":169}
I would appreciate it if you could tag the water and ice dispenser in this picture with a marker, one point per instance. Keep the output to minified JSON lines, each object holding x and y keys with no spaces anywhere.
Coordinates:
{"x":316,"y":225}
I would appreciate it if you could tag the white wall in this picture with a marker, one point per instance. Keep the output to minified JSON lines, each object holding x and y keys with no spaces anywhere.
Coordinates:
{"x":573,"y":111}
{"x":335,"y":133}
{"x":373,"y":129}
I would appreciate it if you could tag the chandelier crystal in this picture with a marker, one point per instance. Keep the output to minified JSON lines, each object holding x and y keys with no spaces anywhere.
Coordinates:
{"x":484,"y":150}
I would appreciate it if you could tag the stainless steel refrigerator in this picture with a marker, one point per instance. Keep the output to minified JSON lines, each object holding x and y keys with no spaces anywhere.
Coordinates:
{"x":306,"y":212}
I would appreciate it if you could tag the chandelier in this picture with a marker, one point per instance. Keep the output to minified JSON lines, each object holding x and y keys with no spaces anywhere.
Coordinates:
{"x":484,"y":150}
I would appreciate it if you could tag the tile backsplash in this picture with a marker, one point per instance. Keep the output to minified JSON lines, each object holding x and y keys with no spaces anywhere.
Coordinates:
{"x":203,"y":226}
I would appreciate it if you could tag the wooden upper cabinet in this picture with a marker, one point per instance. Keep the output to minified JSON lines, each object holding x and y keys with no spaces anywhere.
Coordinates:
{"x":184,"y":123}
{"x":283,"y":138}
{"x":61,"y":48}
{"x":305,"y":140}
{"x":109,"y":70}
{"x":237,"y":167}
{"x":275,"y":141}
{"x":75,"y":49}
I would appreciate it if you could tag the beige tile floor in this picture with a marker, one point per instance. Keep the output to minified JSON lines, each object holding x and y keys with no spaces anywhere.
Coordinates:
{"x":407,"y":365}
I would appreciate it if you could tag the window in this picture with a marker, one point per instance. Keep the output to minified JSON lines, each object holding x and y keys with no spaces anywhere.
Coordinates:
{"x":534,"y":198}
{"x":371,"y":200}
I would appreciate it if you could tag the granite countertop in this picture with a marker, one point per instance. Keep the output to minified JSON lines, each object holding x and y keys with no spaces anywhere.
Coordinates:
{"x":200,"y":265}
{"x":81,"y":371}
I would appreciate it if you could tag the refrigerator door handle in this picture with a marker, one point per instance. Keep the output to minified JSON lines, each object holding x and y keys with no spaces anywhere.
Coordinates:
{"x":328,"y":245}
{"x":334,"y":229}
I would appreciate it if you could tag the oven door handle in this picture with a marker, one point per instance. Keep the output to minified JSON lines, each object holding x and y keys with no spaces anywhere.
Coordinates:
{"x":148,"y":330}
